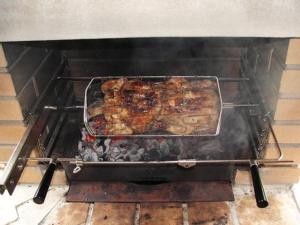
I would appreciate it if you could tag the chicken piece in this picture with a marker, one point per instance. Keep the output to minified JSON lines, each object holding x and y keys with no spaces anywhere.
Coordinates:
{"x":143,"y":105}
{"x":117,"y":127}
{"x":113,"y":109}
{"x":112,"y":85}
{"x":95,"y":109}
{"x":203,"y":84}
{"x":177,"y":105}
{"x":177,"y":83}
{"x":190,"y":109}
{"x":129,"y":106}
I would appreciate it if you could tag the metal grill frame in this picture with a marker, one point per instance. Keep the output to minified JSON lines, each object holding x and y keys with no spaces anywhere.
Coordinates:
{"x":93,"y":133}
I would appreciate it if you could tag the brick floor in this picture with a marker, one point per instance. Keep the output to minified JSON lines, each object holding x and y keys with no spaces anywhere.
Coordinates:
{"x":113,"y":213}
{"x":20,"y":210}
{"x":209,"y":213}
{"x":161,"y":213}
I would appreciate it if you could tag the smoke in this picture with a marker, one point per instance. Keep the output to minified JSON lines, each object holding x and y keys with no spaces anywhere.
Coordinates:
{"x":187,"y":56}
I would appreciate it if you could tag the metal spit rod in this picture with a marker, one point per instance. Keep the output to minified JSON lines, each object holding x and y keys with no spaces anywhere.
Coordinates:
{"x":64,"y":108}
{"x":276,"y":161}
{"x":230,"y":161}
{"x":226,"y":105}
{"x":87,"y":78}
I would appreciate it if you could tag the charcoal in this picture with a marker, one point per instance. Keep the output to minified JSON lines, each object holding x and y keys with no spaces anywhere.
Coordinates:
{"x":232,"y":143}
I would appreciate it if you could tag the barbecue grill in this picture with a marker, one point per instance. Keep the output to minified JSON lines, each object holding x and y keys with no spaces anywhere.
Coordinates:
{"x":239,"y":140}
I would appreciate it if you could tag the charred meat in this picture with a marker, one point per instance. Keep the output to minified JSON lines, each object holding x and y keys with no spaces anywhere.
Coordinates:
{"x":177,"y":106}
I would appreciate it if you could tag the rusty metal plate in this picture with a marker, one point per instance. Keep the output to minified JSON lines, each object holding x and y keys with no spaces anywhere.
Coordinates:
{"x":164,"y":192}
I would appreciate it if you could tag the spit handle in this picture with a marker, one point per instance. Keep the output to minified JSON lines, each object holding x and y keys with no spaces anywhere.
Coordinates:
{"x":42,"y":190}
{"x":261,"y":199}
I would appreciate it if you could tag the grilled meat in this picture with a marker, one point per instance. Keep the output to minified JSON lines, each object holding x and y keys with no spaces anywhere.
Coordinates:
{"x":178,"y":106}
{"x":142,"y":103}
{"x":189,"y":107}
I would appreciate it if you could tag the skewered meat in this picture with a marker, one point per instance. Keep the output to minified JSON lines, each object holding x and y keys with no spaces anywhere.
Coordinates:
{"x":177,"y":105}
{"x":95,"y":109}
{"x":189,"y":107}
{"x":142,"y":103}
{"x":113,"y":109}
{"x":112,"y":85}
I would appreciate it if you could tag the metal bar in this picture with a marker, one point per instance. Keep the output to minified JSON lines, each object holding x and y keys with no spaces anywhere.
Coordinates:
{"x":294,"y":165}
{"x":228,"y":79}
{"x":35,"y":126}
{"x":238,"y":161}
{"x":267,"y":114}
{"x":268,"y":120}
{"x":49,"y":86}
{"x":64,"y":108}
{"x":74,"y":78}
{"x":223,"y":79}
{"x":57,"y":128}
{"x":225,"y":105}
{"x":232,"y":105}
{"x":54,"y":135}
{"x":17,"y":161}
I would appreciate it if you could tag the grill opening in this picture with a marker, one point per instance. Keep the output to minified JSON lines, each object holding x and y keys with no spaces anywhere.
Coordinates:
{"x":228,"y":59}
{"x":248,"y":93}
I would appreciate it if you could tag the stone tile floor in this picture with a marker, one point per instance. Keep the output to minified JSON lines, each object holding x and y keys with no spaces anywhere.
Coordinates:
{"x":20,"y":210}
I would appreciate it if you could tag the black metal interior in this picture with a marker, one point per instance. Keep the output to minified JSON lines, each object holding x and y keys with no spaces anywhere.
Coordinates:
{"x":243,"y":131}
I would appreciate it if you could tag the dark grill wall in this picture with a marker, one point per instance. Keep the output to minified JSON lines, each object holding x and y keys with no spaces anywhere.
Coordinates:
{"x":154,"y":57}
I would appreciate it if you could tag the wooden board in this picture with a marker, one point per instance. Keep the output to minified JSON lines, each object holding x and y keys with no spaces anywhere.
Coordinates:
{"x":287,"y":109}
{"x":31,"y":175}
{"x":6,"y":85}
{"x":5,"y":153}
{"x":270,"y":176}
{"x":289,"y":153}
{"x":10,"y":110}
{"x":11,"y":134}
{"x":293,"y":53}
{"x":290,"y":83}
{"x":113,"y":214}
{"x":3,"y":62}
{"x":59,"y":178}
{"x":286,"y":133}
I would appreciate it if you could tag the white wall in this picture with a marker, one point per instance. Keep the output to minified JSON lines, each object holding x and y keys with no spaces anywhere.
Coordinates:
{"x":81,"y":19}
